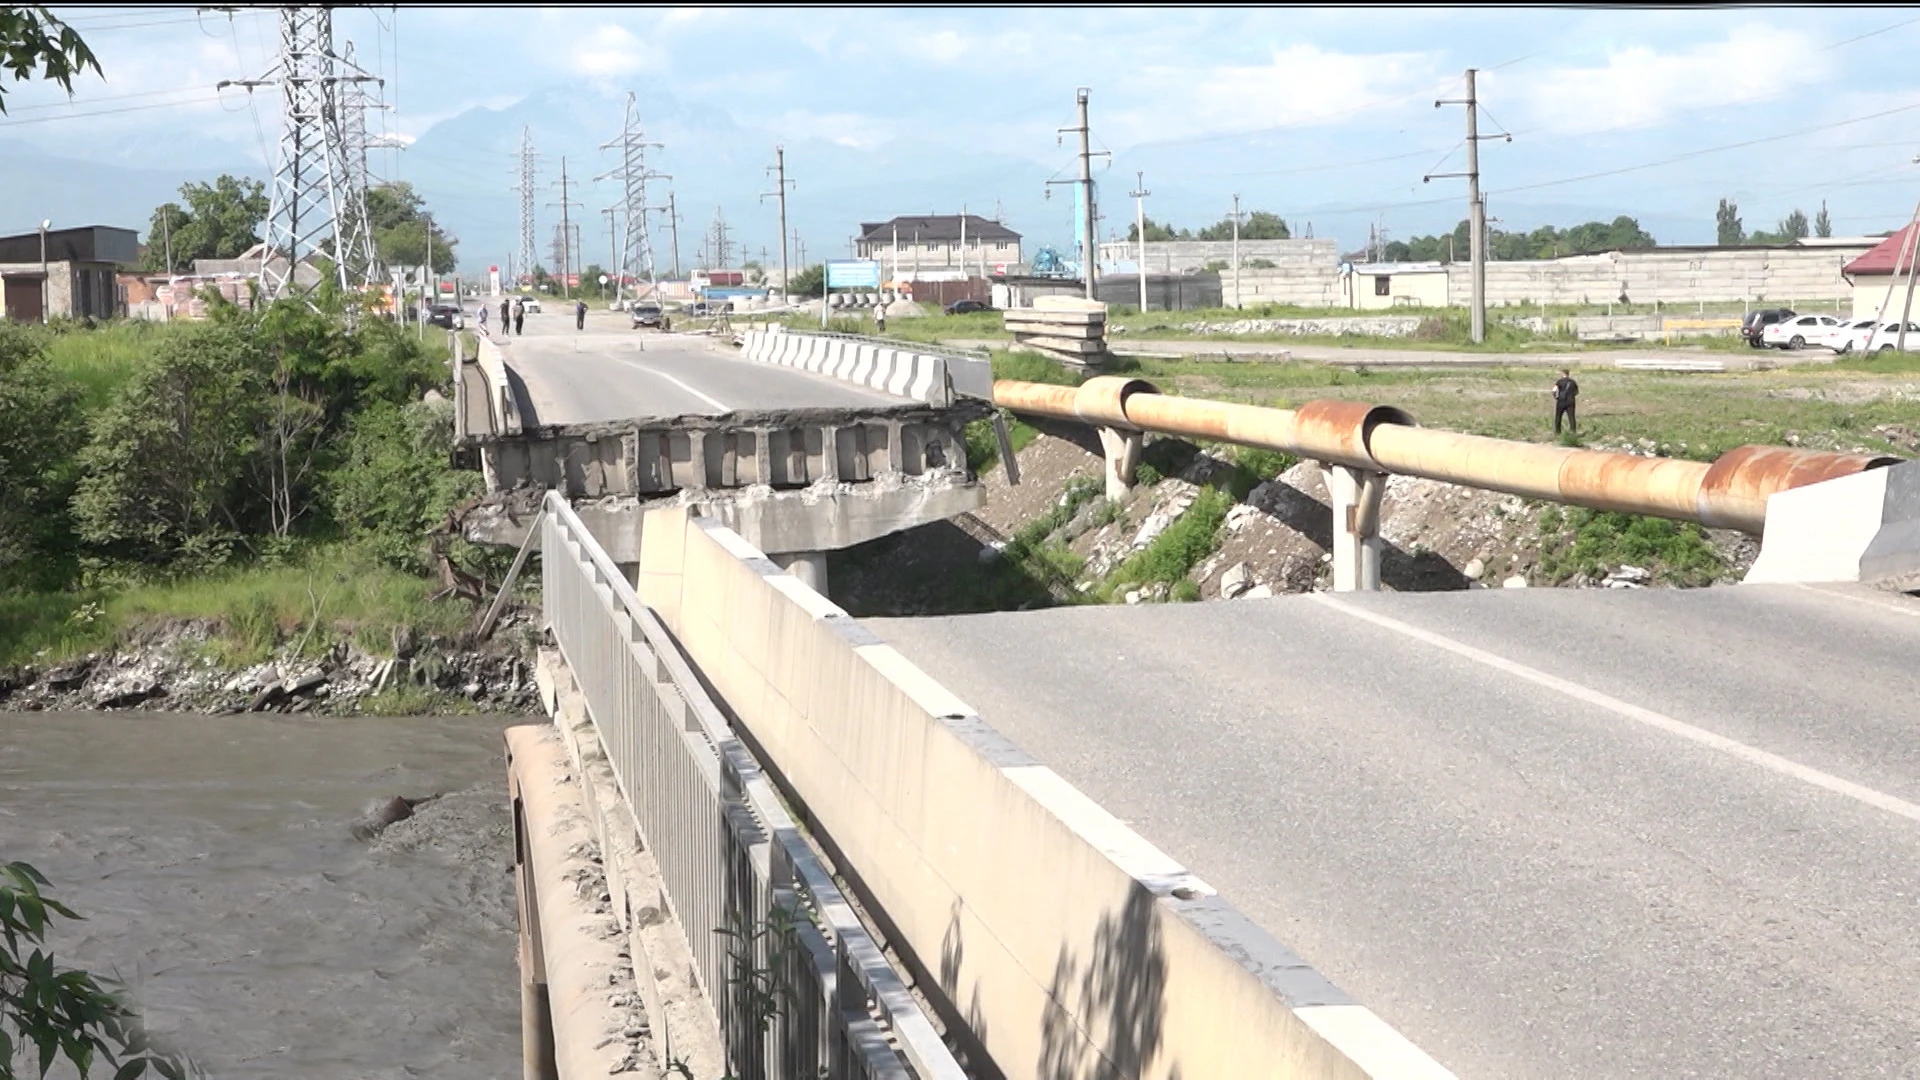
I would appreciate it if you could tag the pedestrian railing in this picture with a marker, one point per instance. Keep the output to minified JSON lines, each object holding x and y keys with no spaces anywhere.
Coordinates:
{"x":799,"y":987}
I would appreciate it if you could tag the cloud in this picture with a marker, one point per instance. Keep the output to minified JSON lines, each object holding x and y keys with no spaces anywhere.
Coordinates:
{"x":1640,"y":86}
{"x":1302,"y":86}
{"x":611,"y":50}
{"x":854,"y":130}
{"x":941,"y":46}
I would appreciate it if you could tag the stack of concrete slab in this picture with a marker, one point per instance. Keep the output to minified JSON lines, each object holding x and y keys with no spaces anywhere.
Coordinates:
{"x":1068,"y":329}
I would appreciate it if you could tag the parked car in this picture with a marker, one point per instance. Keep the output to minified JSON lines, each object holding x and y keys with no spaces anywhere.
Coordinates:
{"x":447,"y":316}
{"x":1868,"y":336}
{"x":967,"y":307}
{"x":530,"y":303}
{"x":1757,"y":321}
{"x":1803,"y":330}
{"x":648,"y":313}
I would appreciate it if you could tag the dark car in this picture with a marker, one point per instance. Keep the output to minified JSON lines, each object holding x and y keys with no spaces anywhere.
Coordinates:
{"x":651,"y":314}
{"x":968,"y":307}
{"x":1757,"y":321}
{"x":447,"y":316}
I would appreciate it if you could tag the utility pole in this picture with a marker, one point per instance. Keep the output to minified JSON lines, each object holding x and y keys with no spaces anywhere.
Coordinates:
{"x":780,"y":185}
{"x":1084,"y":212}
{"x":1476,"y":204}
{"x":528,"y":256}
{"x":566,"y":231}
{"x":1236,"y":250}
{"x":613,"y":250}
{"x":318,"y":204}
{"x":722,"y":249}
{"x":166,"y":232}
{"x":1140,"y":194}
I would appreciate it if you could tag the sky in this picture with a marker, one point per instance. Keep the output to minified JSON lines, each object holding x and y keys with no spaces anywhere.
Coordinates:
{"x":1323,"y":116}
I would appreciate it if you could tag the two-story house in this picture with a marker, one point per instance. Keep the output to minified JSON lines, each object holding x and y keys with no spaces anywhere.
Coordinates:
{"x":938,"y":242}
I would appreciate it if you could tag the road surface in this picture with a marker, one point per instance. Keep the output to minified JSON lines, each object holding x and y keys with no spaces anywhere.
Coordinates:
{"x":611,"y":372}
{"x":1545,"y":833}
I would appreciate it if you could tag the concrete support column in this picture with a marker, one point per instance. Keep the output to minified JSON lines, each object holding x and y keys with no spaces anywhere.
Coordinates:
{"x":810,"y":567}
{"x":1355,"y":494}
{"x":1123,"y":458}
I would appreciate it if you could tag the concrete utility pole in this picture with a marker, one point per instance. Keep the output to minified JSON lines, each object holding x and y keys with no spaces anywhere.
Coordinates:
{"x":673,"y":226}
{"x":566,"y":206}
{"x":613,"y":248}
{"x":1476,"y":203}
{"x":1236,"y":250}
{"x":1089,"y":247}
{"x":780,"y":185}
{"x":1140,"y":194}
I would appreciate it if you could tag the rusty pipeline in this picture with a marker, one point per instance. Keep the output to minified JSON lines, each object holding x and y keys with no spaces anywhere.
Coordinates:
{"x":1731,"y":493}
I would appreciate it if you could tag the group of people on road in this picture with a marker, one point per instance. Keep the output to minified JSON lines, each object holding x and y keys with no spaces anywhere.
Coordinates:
{"x":513,"y":316}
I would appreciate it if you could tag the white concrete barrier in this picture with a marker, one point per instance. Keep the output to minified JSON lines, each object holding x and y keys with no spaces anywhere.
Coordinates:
{"x":1864,"y":527}
{"x":904,"y":372}
{"x":1063,"y":941}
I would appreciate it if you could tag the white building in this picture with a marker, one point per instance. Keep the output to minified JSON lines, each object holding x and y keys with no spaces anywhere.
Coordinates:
{"x":959,"y":245}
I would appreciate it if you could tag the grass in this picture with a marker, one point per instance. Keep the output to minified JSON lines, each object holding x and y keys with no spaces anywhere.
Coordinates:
{"x":1581,"y":542}
{"x":258,"y":609}
{"x":95,"y":363}
{"x":1175,"y":552}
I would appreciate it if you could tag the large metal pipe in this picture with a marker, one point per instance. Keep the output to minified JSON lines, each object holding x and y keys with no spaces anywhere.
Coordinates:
{"x":1730,"y":493}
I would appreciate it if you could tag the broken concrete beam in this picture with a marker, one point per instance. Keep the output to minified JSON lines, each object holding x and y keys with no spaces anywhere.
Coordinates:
{"x":1093,"y":331}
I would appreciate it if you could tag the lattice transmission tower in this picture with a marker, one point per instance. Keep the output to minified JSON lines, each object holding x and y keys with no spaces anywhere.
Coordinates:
{"x":319,"y":200}
{"x":529,"y":183}
{"x":636,"y":250}
{"x":355,"y":104}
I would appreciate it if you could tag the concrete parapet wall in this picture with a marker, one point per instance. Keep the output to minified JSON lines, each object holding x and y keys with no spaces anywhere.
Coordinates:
{"x":1678,"y":277}
{"x":881,"y":364}
{"x":1067,"y":944}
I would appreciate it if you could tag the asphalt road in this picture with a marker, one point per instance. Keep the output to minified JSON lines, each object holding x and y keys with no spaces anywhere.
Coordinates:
{"x":611,"y":372}
{"x":1545,"y":833}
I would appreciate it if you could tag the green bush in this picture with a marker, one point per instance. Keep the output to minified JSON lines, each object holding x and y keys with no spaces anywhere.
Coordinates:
{"x":39,"y":431}
{"x":1592,"y":542}
{"x":393,"y":482}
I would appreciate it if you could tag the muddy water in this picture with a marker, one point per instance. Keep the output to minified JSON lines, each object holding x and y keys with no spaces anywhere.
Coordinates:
{"x":214,"y":861}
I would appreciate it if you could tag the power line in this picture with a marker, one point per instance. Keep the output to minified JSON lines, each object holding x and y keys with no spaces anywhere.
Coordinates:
{"x":214,"y":99}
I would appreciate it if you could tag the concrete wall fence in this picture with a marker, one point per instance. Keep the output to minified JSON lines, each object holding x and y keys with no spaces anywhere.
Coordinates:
{"x":1062,"y":941}
{"x":873,"y":362}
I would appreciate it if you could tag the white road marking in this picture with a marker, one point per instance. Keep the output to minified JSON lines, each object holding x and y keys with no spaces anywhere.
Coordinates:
{"x":1911,"y":611}
{"x":1753,"y":755}
{"x":708,"y":398}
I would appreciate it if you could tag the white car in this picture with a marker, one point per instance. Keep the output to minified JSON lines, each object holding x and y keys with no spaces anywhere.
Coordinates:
{"x":530,"y":303}
{"x":1804,"y":330}
{"x":1866,"y":337}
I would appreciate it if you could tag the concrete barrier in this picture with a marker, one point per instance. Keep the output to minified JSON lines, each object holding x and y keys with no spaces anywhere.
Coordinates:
{"x":1864,"y":527}
{"x":1061,"y":940}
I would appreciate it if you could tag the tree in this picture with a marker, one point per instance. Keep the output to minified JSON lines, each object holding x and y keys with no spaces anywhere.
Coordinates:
{"x":401,"y":225}
{"x":590,"y":278}
{"x":62,"y":1013}
{"x":1260,"y":225}
{"x":1822,"y":223}
{"x":811,"y":281}
{"x":1727,"y":227}
{"x":39,"y":422}
{"x":1156,"y":232}
{"x":1794,"y":225}
{"x":33,"y":41}
{"x":221,"y":221}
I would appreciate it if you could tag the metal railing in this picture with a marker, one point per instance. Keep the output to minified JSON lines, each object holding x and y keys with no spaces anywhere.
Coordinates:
{"x":774,"y":940}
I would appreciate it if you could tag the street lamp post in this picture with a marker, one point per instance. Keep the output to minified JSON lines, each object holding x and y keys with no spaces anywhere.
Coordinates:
{"x":46,"y":290}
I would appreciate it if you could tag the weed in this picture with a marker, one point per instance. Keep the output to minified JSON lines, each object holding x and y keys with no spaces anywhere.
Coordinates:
{"x":1184,"y":591}
{"x":1033,"y":367}
{"x":1146,"y":475}
{"x":1593,"y":541}
{"x":1174,"y":553}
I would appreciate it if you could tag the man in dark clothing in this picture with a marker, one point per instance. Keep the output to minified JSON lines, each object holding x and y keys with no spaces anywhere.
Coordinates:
{"x":519,"y":316}
{"x":580,"y":315}
{"x":506,"y":314}
{"x":1565,"y":391}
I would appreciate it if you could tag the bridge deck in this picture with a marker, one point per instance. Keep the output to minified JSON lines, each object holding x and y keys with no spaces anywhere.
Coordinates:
{"x":609,"y":372}
{"x":1544,"y":833}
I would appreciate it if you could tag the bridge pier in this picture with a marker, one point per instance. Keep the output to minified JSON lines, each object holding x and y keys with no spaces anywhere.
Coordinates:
{"x":1355,"y":495}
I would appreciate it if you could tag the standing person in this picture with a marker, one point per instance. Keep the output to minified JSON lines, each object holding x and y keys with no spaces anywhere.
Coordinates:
{"x":1565,"y":391}
{"x":482,"y":319}
{"x":880,"y":317}
{"x":506,"y":314}
{"x":579,"y":314}
{"x":519,"y":316}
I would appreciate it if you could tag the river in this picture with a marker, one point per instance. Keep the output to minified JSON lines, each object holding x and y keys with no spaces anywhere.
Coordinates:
{"x":214,"y":861}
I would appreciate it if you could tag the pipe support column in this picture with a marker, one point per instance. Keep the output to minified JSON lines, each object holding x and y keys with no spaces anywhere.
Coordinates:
{"x":1122,"y":450}
{"x":1355,"y":495}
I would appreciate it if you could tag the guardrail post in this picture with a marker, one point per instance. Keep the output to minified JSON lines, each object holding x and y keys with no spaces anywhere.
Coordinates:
{"x":1122,"y":450}
{"x":1355,"y":495}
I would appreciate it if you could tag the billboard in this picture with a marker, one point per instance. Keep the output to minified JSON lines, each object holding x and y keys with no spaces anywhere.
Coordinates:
{"x":853,"y":273}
